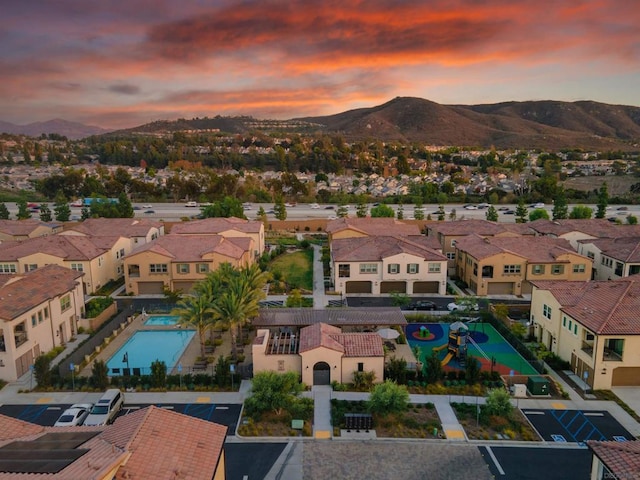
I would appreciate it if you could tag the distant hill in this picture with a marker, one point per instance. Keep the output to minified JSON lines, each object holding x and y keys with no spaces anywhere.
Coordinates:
{"x":71,"y":130}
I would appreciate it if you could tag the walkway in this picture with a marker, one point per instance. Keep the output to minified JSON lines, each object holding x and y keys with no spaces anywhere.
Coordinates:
{"x":322,"y":428}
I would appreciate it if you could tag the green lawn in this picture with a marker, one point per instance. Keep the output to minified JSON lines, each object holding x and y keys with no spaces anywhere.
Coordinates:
{"x":296,"y":269}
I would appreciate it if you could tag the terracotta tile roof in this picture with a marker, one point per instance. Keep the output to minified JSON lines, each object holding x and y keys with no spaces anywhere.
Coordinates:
{"x":534,"y":249}
{"x":22,"y":292}
{"x":625,"y":249}
{"x":183,"y":248}
{"x":604,"y":307}
{"x":120,"y":227}
{"x":12,"y":428}
{"x":360,"y":344}
{"x":373,"y":226}
{"x":376,"y":248}
{"x":594,"y":227}
{"x":320,"y":335}
{"x":210,"y":226}
{"x":66,"y":247}
{"x":300,"y":317}
{"x":621,"y":458}
{"x":351,"y":344}
{"x":166,"y":444}
{"x":479,"y":227}
{"x":22,"y":227}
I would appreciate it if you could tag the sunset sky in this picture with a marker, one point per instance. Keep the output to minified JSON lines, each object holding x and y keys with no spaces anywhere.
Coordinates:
{"x":121,"y":63}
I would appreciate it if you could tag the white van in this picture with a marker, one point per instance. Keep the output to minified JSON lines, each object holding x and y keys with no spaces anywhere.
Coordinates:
{"x":105,"y":409}
{"x":191,"y":204}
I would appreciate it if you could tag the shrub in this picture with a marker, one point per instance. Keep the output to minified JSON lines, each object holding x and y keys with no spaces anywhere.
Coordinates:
{"x":99,"y":377}
{"x":388,"y":397}
{"x":42,"y":371}
{"x":499,"y":403}
{"x":97,"y":305}
{"x":158,"y":374}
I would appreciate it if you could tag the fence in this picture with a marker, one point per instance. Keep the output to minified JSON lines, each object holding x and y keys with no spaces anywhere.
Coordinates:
{"x":517,"y":344}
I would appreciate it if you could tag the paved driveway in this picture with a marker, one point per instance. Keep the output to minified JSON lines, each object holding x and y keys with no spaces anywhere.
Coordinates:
{"x":630,"y":396}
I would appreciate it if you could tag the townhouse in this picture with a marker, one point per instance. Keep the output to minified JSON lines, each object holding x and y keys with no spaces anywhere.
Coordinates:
{"x":17,"y":230}
{"x":178,"y":262}
{"x":509,"y":265}
{"x":386,"y":264}
{"x":349,"y":227}
{"x":613,"y":258}
{"x":39,"y":310}
{"x":140,"y":231}
{"x":593,"y":325}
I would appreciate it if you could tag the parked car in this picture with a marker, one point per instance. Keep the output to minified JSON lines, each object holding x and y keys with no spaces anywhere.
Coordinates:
{"x":421,"y":305}
{"x":453,"y":306}
{"x":74,"y":415}
{"x":106,"y":409}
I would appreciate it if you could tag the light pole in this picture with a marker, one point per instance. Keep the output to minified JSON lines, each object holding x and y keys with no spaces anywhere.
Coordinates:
{"x":72,"y":367}
{"x":125,"y":359}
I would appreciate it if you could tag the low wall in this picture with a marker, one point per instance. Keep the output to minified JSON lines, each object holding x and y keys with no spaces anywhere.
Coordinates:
{"x":94,"y":323}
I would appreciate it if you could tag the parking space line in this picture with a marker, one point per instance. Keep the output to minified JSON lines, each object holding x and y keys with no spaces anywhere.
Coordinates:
{"x":495,"y":461}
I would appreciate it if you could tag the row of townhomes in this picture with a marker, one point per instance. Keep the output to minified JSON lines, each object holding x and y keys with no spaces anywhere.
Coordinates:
{"x":47,"y":272}
{"x":579,"y":274}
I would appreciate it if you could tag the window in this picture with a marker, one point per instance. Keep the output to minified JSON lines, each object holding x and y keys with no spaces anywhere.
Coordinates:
{"x":360,"y":366}
{"x":182,"y":268}
{"x":34,"y":321}
{"x":40,"y":318}
{"x":202,"y":268}
{"x":158,"y":268}
{"x":453,"y":243}
{"x":121,"y":252}
{"x":557,"y":269}
{"x":575,"y":329}
{"x":7,"y":268}
{"x":451,"y":255}
{"x":434,"y":268}
{"x":619,"y":269}
{"x":591,"y":255}
{"x":413,"y":268}
{"x":344,"y":270}
{"x":564,"y":321}
{"x":30,"y":267}
{"x":393,"y":268}
{"x":607,"y":262}
{"x":510,"y":269}
{"x":65,"y":303}
{"x":368,"y":268}
{"x":46,"y":312}
{"x":537,"y":270}
{"x":78,"y":267}
{"x":579,"y":268}
{"x":546,"y":311}
{"x":99,"y":261}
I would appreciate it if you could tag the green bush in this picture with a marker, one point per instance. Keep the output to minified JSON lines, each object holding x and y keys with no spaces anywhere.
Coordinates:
{"x":388,"y":397}
{"x":97,"y":305}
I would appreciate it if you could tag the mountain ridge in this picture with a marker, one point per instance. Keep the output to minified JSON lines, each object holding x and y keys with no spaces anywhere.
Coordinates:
{"x":71,"y":130}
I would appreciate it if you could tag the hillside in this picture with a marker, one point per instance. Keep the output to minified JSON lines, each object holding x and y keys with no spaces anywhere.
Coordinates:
{"x":71,"y":130}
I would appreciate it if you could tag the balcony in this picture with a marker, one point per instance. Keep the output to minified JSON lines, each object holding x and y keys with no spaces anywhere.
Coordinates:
{"x":20,"y":338}
{"x":587,"y":347}
{"x":611,"y":356}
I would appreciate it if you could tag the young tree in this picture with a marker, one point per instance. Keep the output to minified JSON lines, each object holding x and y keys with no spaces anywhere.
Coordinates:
{"x":603,"y":201}
{"x":280,"y":211}
{"x":61,"y":209}
{"x":418,"y":211}
{"x":491,"y":214}
{"x":343,"y":210}
{"x":361,"y":209}
{"x":382,"y":211}
{"x":581,"y":211}
{"x":537,"y":214}
{"x":499,"y":403}
{"x":99,"y":375}
{"x":158,"y":374}
{"x":453,"y":214}
{"x":271,"y":391}
{"x":521,"y":212}
{"x":262,"y":215}
{"x":441,"y":213}
{"x":196,"y":311}
{"x":472,"y":370}
{"x":632,"y":219}
{"x":560,"y":207}
{"x":294,"y":299}
{"x":85,"y":213}
{"x":388,"y":397}
{"x":42,"y":371}
{"x":433,"y":368}
{"x":45,"y":213}
{"x":23,"y":211}
{"x":4,"y":212}
{"x":400,"y":214}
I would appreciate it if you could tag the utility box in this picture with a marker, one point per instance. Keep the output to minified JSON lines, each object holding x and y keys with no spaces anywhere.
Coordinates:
{"x":520,"y":390}
{"x":538,"y":385}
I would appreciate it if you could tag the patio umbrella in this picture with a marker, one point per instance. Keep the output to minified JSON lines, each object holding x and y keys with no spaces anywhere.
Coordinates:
{"x":388,"y":333}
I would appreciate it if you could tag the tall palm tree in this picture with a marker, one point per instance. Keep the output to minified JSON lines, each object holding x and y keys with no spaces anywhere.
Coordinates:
{"x":195,"y":311}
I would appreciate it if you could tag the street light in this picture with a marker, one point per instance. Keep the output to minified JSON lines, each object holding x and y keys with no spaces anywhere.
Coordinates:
{"x":125,"y":359}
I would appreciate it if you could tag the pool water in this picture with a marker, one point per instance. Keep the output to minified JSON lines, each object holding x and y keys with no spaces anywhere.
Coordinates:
{"x":162,"y":320}
{"x":147,"y":346}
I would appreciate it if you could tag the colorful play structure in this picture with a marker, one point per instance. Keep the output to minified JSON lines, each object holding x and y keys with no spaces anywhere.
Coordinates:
{"x":457,"y":344}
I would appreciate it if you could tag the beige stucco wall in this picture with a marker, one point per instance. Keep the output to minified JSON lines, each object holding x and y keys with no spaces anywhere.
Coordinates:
{"x":45,"y":335}
{"x":258,"y":238}
{"x":347,"y":233}
{"x":321,"y":354}
{"x":263,"y":362}
{"x":371,"y":364}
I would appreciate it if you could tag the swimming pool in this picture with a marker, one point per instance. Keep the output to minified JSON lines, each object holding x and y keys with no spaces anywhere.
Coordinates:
{"x":145,"y":347}
{"x":162,"y":320}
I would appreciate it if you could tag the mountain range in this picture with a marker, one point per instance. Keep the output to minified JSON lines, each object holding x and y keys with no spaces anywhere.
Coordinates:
{"x":548,"y":125}
{"x":71,"y":130}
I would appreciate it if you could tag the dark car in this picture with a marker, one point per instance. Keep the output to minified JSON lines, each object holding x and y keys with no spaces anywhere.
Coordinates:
{"x":330,"y":207}
{"x":149,"y":211}
{"x":421,"y":305}
{"x":509,"y":212}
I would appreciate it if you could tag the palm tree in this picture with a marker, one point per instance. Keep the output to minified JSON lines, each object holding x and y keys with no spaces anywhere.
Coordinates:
{"x":195,"y":311}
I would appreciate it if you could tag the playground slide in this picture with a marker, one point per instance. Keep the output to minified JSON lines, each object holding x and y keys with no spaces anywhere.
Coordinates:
{"x":447,"y":359}
{"x":441,"y":347}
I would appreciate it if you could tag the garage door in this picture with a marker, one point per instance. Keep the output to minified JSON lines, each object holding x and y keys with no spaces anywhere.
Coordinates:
{"x":358,"y":287}
{"x":150,"y":288}
{"x":388,"y":287}
{"x":500,"y":288}
{"x":426,"y":287}
{"x":185,"y":287}
{"x":626,"y":377}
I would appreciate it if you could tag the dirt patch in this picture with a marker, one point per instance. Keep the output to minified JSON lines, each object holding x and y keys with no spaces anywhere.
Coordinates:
{"x":616,"y":185}
{"x":271,"y":424}
{"x":516,"y":427}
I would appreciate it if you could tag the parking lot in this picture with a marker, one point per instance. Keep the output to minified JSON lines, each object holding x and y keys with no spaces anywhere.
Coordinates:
{"x":576,"y":426}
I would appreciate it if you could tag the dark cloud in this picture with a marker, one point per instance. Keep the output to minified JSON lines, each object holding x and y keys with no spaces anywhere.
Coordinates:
{"x":124,"y":89}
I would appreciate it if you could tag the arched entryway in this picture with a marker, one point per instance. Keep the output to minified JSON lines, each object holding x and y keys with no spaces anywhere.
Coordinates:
{"x":321,"y":374}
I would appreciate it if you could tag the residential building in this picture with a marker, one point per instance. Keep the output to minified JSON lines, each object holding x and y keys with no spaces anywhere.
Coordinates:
{"x":225,"y":227}
{"x":386,"y":264}
{"x":447,"y":234}
{"x":100,"y":258}
{"x":140,"y":231}
{"x":149,"y":443}
{"x":614,"y":460}
{"x":39,"y":310}
{"x":321,"y":353}
{"x":575,"y":230}
{"x":613,"y":258}
{"x":509,"y":265}
{"x":593,"y":325}
{"x":350,"y":227}
{"x":18,"y":230}
{"x":177,"y":262}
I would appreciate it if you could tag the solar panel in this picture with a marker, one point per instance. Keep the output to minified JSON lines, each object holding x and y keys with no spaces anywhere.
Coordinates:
{"x":54,"y":452}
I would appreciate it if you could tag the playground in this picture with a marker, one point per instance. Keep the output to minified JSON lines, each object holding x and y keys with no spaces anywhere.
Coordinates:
{"x":455,"y":342}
